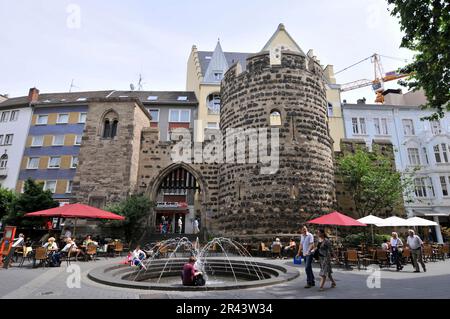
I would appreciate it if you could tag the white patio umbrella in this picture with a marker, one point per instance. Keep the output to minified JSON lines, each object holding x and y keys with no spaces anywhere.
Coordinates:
{"x":417,"y":221}
{"x":371,"y":220}
{"x":393,"y":221}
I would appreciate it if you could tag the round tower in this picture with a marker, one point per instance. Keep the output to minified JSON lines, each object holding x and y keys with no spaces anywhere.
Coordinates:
{"x":281,"y":90}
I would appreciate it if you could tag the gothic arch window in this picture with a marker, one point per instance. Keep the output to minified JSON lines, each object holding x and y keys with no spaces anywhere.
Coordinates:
{"x":3,"y":161}
{"x":275,"y":118}
{"x":110,"y":123}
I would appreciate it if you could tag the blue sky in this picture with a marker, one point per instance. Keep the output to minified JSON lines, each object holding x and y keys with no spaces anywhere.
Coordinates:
{"x":44,"y":44}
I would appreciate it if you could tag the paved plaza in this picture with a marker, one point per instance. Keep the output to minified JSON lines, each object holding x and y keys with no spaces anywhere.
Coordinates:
{"x":20,"y":283}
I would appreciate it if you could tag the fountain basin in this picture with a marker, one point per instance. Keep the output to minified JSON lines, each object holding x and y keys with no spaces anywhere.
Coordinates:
{"x":235,"y":273}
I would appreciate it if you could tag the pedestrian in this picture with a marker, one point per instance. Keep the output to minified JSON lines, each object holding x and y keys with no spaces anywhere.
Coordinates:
{"x":195,"y":226}
{"x":180,"y":225}
{"x":396,"y":250}
{"x":325,"y":249}
{"x":416,"y":245}
{"x":305,"y":249}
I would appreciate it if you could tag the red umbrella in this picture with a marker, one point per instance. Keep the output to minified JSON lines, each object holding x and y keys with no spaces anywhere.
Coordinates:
{"x":336,"y":219}
{"x":76,"y":211}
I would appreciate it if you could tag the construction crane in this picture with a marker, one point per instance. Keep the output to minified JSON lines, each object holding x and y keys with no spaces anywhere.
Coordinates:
{"x":379,"y":77}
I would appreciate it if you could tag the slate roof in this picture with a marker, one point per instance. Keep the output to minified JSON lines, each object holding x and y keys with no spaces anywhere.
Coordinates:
{"x":232,"y":58}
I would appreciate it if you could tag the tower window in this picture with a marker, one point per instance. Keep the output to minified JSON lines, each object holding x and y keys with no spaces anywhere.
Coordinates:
{"x":110,"y":125}
{"x":275,"y":118}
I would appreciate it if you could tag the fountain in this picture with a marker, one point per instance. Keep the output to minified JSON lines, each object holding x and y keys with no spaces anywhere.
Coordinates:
{"x":225,"y":264}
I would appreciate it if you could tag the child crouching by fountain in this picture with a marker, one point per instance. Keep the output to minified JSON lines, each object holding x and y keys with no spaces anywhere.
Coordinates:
{"x":190,"y":275}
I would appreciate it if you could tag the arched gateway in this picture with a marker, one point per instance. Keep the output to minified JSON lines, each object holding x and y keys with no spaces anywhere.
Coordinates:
{"x":178,"y":192}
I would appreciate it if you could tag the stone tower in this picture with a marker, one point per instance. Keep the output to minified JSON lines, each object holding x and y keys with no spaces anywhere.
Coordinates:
{"x":278,"y":89}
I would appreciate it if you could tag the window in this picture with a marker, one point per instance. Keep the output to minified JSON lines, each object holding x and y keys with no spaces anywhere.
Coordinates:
{"x":182,"y":98}
{"x":63,"y":118}
{"x":54,"y":162}
{"x":77,"y":140}
{"x":408,"y":127}
{"x":275,"y":118}
{"x":384,"y":127}
{"x":110,"y":125}
{"x":420,"y":188}
{"x":436,"y":127}
{"x":14,"y":115}
{"x":213,"y":125}
{"x":155,"y":115}
{"x":1,"y":139}
{"x":97,"y":201}
{"x":42,"y":120}
{"x":5,"y":116}
{"x":444,"y":186}
{"x":381,"y":127}
{"x":359,"y":125}
{"x":413,"y":156}
{"x":152,"y":98}
{"x":440,"y":153}
{"x":82,"y":118}
{"x":33,"y":163}
{"x":50,"y":185}
{"x":330,"y":109}
{"x":218,"y":76}
{"x":213,"y":102}
{"x":74,"y":162}
{"x":58,"y":140}
{"x":3,"y":161}
{"x":376,"y":123}
{"x":37,"y":141}
{"x":425,"y":154}
{"x":69,"y":187}
{"x":182,"y":116}
{"x":9,"y":139}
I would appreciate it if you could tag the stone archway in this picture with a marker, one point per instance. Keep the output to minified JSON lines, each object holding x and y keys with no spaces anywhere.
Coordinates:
{"x":178,"y":183}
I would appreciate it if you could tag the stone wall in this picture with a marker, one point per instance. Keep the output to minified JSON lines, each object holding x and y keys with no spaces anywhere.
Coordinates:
{"x":107,"y":168}
{"x":255,"y":204}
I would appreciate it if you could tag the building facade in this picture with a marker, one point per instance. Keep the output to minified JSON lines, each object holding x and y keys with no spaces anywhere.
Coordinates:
{"x":422,"y":149}
{"x":14,"y":123}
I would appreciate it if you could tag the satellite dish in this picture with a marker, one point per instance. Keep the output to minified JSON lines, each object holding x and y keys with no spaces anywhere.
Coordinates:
{"x":132,"y":87}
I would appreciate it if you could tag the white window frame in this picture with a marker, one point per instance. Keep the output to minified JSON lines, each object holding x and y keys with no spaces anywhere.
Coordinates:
{"x":75,"y":142}
{"x":42,"y":116}
{"x":69,"y":183}
{"x":14,"y":115}
{"x":182,"y":98}
{"x":445,"y":183}
{"x":29,"y":161}
{"x":443,"y":152}
{"x":72,"y":161}
{"x":384,"y":126}
{"x":5,"y":116}
{"x":216,"y":125}
{"x":155,"y":110}
{"x":9,"y":139}
{"x":408,"y":121}
{"x":413,"y":156}
{"x":61,"y":114}
{"x":425,"y":154}
{"x":50,"y":161}
{"x":54,"y":138}
{"x":436,"y":127}
{"x":46,"y":185}
{"x":79,"y":117}
{"x":33,"y":139}
{"x":424,"y":187}
{"x":376,"y":124}
{"x":360,"y":125}
{"x":179,"y":115}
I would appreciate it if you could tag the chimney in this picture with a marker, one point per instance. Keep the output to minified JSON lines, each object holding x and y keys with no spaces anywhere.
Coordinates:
{"x":33,"y":95}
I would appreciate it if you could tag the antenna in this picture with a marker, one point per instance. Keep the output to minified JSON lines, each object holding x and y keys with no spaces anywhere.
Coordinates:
{"x":72,"y":86}
{"x":140,"y":83}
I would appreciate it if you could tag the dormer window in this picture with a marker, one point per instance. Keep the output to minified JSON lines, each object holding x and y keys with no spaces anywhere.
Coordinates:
{"x":81,"y":99}
{"x":218,"y":76}
{"x":182,"y":98}
{"x":152,"y":98}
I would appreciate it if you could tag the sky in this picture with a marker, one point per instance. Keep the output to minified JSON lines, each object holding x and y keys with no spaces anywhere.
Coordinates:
{"x":101,"y":45}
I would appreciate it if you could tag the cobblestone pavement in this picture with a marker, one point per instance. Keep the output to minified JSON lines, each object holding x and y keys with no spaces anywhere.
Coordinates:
{"x":52,"y":283}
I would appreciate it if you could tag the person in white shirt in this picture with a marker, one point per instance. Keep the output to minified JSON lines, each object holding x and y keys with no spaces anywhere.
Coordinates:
{"x":137,"y":256}
{"x":385,"y":245}
{"x":180,"y":224}
{"x":396,"y":249}
{"x":196,"y":229}
{"x":415,"y":244}
{"x":70,"y":244}
{"x":18,"y":242}
{"x":276,"y":243}
{"x":51,"y":245}
{"x":306,"y":247}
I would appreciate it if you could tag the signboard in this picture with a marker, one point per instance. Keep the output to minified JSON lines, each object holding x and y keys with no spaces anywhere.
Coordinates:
{"x":6,"y":244}
{"x":171,"y":205}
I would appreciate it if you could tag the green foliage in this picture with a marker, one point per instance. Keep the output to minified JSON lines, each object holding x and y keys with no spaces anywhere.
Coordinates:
{"x":33,"y":199}
{"x":354,"y":240}
{"x":426,"y":25}
{"x":7,"y":196}
{"x":135,"y":208}
{"x":374,"y":184}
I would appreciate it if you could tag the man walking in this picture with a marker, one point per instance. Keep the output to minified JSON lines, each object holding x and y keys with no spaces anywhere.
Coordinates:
{"x":306,"y":246}
{"x":415,"y":244}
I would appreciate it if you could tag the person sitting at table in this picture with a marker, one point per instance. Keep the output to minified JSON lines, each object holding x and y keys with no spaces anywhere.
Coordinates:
{"x":276,"y":243}
{"x":20,"y":241}
{"x":70,"y":244}
{"x":52,"y":252}
{"x":385,"y":245}
{"x":88,"y":241}
{"x":291,"y":248}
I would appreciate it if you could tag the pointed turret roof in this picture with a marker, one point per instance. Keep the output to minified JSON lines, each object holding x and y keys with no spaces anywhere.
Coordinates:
{"x":217,"y":64}
{"x":282,"y":38}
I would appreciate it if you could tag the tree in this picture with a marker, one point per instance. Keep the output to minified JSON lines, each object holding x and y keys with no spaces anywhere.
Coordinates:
{"x":374,"y":184}
{"x":7,"y":196}
{"x":426,"y":25}
{"x":135,"y":208}
{"x":34,"y":198}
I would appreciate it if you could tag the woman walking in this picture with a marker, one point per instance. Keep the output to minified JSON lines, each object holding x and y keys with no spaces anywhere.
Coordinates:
{"x":324,"y":247}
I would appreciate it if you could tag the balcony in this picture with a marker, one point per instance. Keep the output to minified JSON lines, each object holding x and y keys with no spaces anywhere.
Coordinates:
{"x":3,"y":172}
